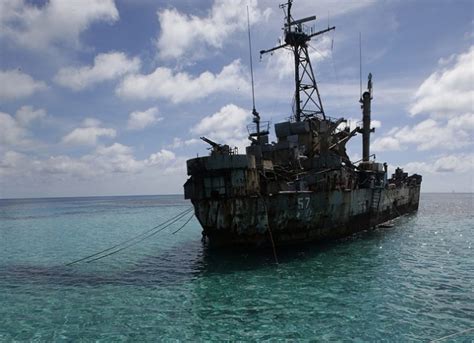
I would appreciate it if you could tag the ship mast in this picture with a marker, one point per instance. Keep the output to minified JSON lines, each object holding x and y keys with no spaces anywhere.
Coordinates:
{"x":307,"y":98}
{"x":256,"y":115}
{"x":366,"y":100}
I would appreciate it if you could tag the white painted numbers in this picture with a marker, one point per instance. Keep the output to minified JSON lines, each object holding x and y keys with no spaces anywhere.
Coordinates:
{"x":304,"y":208}
{"x":303,"y":203}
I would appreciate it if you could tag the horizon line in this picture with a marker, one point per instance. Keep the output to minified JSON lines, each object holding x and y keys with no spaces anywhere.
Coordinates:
{"x":152,"y":195}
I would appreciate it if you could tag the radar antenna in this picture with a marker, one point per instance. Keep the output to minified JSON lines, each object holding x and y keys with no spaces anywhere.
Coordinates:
{"x":307,"y":98}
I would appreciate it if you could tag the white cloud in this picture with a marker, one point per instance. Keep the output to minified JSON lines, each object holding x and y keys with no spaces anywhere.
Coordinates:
{"x":11,"y":132}
{"x":62,"y":165}
{"x":161,"y":157}
{"x":181,"y":33}
{"x":385,"y":144}
{"x":178,"y":142}
{"x":228,"y":126}
{"x":184,"y":35}
{"x":167,"y":163}
{"x":375,"y":124}
{"x":88,"y":133}
{"x":106,"y":170}
{"x":138,"y":120}
{"x":457,"y":163}
{"x":181,"y":87}
{"x":339,"y":97}
{"x":15,"y":85}
{"x":101,"y":162}
{"x":116,"y":158}
{"x":104,"y":160}
{"x":57,"y":21}
{"x":91,"y":122}
{"x":27,"y":114}
{"x":430,"y":134}
{"x":449,"y":91}
{"x":447,"y":95}
{"x":107,"y":66}
{"x":114,"y":149}
{"x":10,"y":161}
{"x":14,"y":130}
{"x":323,"y":8}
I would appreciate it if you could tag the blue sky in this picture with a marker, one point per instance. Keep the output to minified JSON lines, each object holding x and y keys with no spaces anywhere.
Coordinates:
{"x":103,"y":97}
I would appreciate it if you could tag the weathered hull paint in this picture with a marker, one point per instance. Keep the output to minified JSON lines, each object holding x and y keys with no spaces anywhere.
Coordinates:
{"x":300,"y":217}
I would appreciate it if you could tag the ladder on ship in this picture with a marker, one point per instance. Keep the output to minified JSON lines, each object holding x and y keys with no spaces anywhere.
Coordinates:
{"x":376,"y":197}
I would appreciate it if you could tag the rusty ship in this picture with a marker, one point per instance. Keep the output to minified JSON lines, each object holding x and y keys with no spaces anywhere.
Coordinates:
{"x":302,"y":188}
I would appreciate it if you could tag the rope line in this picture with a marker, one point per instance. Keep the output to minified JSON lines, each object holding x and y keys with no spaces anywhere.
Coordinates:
{"x":129,"y":240}
{"x":182,"y":226}
{"x":140,"y":240}
{"x":269,"y":229}
{"x":454,"y":334}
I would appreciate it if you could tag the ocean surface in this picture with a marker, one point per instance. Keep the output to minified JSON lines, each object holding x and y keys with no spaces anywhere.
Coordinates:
{"x":411,"y":282}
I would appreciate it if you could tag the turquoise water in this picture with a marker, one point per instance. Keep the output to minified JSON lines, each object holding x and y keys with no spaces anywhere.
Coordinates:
{"x":412,"y":282}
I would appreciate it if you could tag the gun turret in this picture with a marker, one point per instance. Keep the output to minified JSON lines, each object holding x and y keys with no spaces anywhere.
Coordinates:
{"x":216,"y":147}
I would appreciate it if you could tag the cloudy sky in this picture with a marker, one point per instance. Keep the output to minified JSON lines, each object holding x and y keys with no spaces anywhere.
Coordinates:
{"x":104,"y":97}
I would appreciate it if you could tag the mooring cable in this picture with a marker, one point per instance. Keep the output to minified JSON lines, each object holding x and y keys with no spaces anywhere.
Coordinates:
{"x":131,"y":239}
{"x":182,"y":226}
{"x":452,"y":335}
{"x":269,"y":228}
{"x":140,"y":240}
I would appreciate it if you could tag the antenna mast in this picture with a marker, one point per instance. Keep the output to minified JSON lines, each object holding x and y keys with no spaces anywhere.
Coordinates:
{"x":360,"y":65}
{"x":256,"y":116}
{"x":307,"y":98}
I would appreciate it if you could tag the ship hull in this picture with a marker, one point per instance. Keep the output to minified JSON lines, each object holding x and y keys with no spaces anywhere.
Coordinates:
{"x":300,"y":217}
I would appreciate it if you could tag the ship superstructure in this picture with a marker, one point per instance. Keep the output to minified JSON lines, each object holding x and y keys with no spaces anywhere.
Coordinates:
{"x":303,"y":187}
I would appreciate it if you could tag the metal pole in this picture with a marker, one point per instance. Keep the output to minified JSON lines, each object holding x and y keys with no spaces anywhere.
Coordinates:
{"x":256,"y":118}
{"x":297,"y":84}
{"x":360,"y":65}
{"x":250,"y":57}
{"x":366,"y":127}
